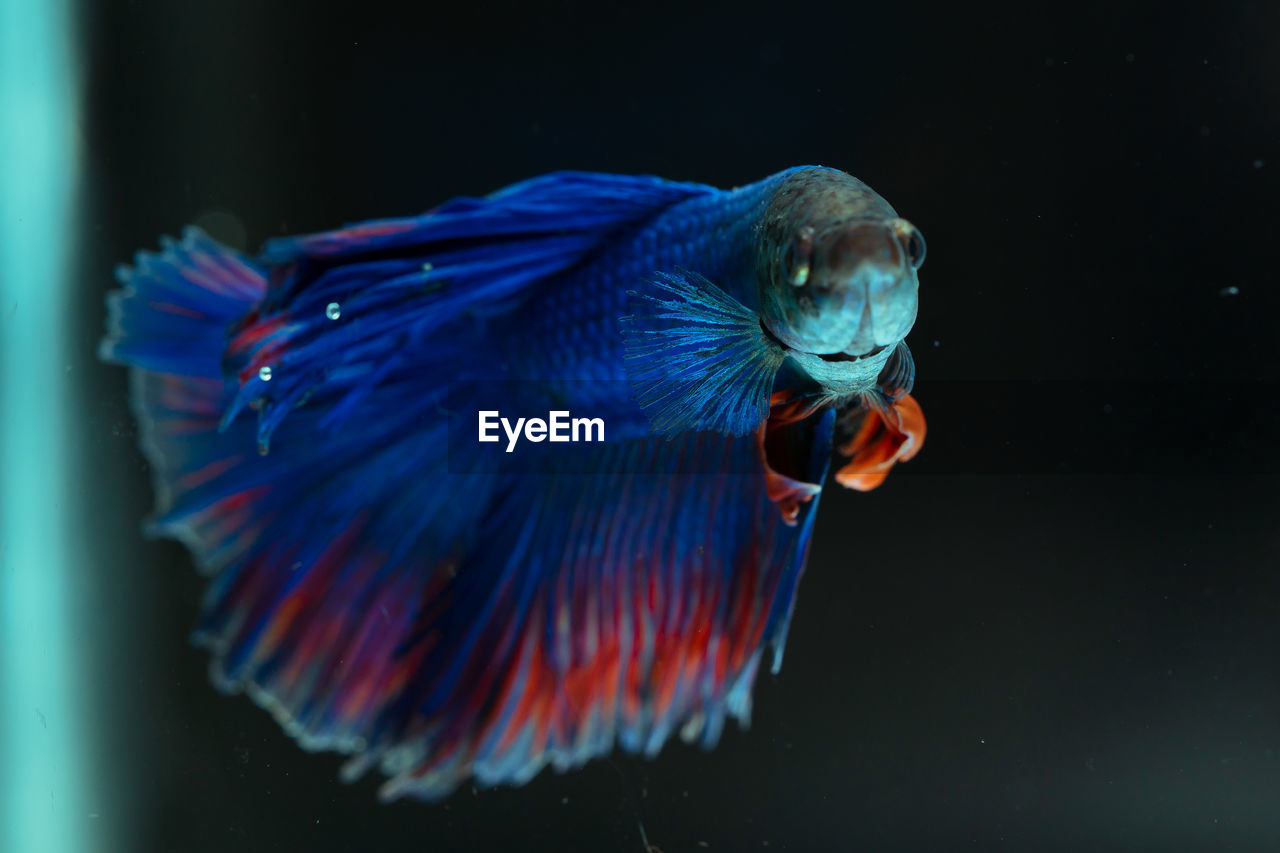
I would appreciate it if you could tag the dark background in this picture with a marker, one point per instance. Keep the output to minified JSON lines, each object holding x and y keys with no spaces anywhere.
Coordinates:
{"x":1057,"y":628}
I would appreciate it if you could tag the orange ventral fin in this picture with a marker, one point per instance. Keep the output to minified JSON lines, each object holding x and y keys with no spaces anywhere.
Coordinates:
{"x":782,"y":448}
{"x":882,"y":436}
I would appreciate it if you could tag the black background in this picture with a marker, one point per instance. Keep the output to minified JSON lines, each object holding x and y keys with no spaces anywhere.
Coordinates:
{"x":1057,"y":628}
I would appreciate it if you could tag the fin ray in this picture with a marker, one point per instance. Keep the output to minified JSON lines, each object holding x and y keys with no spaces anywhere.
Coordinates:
{"x":697,"y":358}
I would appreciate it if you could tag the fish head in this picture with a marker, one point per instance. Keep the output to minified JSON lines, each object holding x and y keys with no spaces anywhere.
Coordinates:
{"x":837,"y":267}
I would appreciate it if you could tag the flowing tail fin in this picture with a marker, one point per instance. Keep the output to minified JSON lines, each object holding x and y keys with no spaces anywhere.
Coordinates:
{"x":435,"y":624}
{"x":170,"y":322}
{"x":173,"y":313}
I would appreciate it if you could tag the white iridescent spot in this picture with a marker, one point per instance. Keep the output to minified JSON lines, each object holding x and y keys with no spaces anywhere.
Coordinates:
{"x":264,"y":373}
{"x":427,"y":267}
{"x":333,"y":310}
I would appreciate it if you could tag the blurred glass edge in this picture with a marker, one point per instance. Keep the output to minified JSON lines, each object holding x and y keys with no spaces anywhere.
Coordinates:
{"x":45,"y":756}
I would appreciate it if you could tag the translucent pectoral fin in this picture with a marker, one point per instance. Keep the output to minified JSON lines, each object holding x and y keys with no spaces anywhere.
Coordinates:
{"x":697,"y":358}
{"x":882,"y":435}
{"x":898,"y":376}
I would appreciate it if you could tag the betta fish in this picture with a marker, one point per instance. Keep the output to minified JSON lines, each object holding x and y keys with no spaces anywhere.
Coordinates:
{"x":383,"y":593}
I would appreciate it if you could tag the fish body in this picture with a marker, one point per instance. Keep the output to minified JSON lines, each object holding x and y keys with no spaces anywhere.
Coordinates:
{"x":386,"y":594}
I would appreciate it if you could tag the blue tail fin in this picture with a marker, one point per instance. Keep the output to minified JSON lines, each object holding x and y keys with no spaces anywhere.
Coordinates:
{"x":173,"y":313}
{"x":433,"y":623}
{"x":171,"y":321}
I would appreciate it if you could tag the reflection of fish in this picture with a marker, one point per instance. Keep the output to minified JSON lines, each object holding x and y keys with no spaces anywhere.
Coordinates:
{"x":441,"y":625}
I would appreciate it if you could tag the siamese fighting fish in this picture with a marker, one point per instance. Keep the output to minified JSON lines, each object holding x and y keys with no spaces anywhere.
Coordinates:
{"x":347,"y":431}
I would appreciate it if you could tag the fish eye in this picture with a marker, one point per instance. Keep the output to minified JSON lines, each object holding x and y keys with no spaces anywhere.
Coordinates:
{"x":913,"y":241}
{"x":789,"y":261}
{"x":795,"y":258}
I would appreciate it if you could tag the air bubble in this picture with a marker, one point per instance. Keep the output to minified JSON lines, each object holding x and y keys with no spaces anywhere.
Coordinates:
{"x":264,"y":373}
{"x":333,"y":311}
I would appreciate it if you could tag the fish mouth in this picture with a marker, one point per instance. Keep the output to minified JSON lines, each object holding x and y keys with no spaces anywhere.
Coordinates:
{"x":833,"y":357}
{"x":844,"y":356}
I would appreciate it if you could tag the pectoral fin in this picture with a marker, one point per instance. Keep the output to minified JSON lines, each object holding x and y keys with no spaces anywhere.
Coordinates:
{"x":898,"y":376}
{"x":697,"y":358}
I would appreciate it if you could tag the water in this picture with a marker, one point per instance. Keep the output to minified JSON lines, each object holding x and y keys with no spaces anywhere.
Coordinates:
{"x":1054,"y":629}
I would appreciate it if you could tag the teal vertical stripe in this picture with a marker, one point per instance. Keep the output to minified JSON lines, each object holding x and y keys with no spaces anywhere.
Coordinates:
{"x":43,"y":803}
